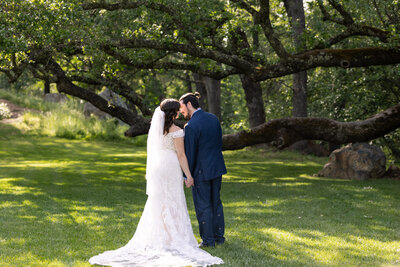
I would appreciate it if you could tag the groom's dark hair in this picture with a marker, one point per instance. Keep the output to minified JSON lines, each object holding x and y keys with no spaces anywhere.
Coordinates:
{"x":192,"y":98}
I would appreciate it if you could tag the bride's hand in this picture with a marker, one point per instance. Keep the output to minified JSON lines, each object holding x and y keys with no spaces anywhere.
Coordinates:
{"x":189,"y":182}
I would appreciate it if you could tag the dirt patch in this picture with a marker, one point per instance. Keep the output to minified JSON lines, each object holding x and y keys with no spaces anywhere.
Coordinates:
{"x":16,"y":112}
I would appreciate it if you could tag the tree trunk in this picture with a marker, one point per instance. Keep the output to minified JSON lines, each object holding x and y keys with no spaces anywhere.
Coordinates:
{"x":188,"y":82}
{"x":46,"y":87}
{"x":213,"y":88}
{"x":295,"y":11}
{"x":200,"y":87}
{"x":254,"y":100}
{"x":299,"y":98}
{"x":284,"y":132}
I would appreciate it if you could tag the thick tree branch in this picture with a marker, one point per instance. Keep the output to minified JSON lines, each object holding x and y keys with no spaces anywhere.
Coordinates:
{"x":39,"y":74}
{"x":347,"y":19}
{"x":345,"y":58}
{"x":242,"y":4}
{"x":170,"y":64}
{"x":284,"y":132}
{"x":231,"y":60}
{"x":263,"y":19}
{"x":9,"y":74}
{"x":326,"y":16}
{"x":120,"y":88}
{"x":16,"y":69}
{"x":352,"y":28}
{"x":355,"y":30}
{"x":65,"y":85}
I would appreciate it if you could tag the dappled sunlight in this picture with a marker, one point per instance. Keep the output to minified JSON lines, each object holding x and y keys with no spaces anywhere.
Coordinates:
{"x":86,"y":218}
{"x":238,"y":179}
{"x":129,"y":155}
{"x":58,"y":218}
{"x":10,"y":204}
{"x":116,"y":164}
{"x":256,"y":172}
{"x":315,"y":220}
{"x":14,"y":242}
{"x":27,"y":258}
{"x":242,"y":209}
{"x":8,"y":186}
{"x":292,"y":184}
{"x":328,"y":249}
{"x":30,"y":164}
{"x":286,"y":179}
{"x":73,"y":199}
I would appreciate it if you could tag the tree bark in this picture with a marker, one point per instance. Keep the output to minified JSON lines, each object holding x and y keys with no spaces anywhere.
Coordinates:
{"x":286,"y":131}
{"x":213,"y":88}
{"x":252,"y":88}
{"x":299,"y":98}
{"x":46,"y":87}
{"x":345,"y":58}
{"x":254,"y":100}
{"x":200,"y":87}
{"x":188,"y":82}
{"x":295,"y":11}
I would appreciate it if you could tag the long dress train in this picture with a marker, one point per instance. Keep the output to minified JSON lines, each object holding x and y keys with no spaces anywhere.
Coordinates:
{"x":164,"y":235}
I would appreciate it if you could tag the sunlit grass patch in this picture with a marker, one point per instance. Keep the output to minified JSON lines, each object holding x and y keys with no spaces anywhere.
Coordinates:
{"x":64,"y":120}
{"x":63,"y":201}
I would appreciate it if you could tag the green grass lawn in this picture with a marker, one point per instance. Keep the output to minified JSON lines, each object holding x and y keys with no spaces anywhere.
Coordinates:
{"x":63,"y":201}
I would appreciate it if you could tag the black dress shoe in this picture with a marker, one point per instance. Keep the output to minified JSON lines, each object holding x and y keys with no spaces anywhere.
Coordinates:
{"x":203,"y":245}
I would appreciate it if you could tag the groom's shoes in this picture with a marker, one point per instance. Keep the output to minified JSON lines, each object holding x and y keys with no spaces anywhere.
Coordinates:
{"x":219,"y":241}
{"x":203,"y":245}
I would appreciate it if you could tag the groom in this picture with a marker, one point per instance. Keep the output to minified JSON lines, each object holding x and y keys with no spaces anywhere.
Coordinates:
{"x":203,"y":147}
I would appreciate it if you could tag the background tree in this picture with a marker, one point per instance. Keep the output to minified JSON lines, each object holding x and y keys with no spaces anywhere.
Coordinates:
{"x":111,"y":43}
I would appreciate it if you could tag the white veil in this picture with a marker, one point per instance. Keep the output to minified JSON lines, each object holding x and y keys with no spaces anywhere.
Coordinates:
{"x":154,"y":145}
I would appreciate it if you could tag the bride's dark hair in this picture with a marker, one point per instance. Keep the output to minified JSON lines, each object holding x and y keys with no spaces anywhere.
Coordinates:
{"x":170,"y":107}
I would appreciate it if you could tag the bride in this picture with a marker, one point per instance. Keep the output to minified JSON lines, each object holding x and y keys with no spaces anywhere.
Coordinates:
{"x":164,"y":235}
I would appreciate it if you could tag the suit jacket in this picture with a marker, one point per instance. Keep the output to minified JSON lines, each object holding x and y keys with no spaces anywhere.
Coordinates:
{"x":203,"y":146}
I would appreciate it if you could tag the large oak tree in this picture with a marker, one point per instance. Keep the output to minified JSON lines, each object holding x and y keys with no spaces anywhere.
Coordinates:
{"x":103,"y":43}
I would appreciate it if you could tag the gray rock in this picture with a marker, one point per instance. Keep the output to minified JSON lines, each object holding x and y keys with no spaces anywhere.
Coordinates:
{"x":56,"y":97}
{"x":359,"y":161}
{"x":112,"y":98}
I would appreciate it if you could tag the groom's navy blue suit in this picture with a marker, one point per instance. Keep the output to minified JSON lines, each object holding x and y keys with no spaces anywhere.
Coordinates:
{"x":203,"y":147}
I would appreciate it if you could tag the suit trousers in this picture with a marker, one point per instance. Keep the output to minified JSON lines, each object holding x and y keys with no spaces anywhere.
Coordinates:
{"x":209,"y":210}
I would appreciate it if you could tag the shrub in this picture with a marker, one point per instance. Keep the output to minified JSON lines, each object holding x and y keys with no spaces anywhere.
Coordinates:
{"x":4,"y":111}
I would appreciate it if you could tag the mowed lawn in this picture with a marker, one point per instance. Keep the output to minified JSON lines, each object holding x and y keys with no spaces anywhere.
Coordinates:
{"x":63,"y":201}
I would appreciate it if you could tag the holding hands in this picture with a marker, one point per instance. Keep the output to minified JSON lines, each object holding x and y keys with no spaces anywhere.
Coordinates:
{"x":189,"y":182}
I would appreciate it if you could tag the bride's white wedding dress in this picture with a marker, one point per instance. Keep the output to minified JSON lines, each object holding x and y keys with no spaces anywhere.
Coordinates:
{"x":164,"y":235}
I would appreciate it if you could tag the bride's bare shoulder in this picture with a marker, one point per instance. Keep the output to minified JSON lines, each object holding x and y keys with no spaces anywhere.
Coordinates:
{"x":174,"y":128}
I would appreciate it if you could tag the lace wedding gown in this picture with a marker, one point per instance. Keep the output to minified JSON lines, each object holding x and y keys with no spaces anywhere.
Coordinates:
{"x":164,"y":235}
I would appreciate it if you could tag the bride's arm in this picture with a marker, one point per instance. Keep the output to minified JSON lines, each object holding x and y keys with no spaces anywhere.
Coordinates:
{"x":180,"y":150}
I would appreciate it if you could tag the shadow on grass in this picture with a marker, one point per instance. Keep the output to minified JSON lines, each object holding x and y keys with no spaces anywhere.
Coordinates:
{"x":303,"y":220}
{"x":62,"y":197}
{"x":66,"y":201}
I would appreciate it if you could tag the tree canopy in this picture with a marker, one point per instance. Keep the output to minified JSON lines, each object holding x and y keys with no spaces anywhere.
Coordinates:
{"x":81,"y":45}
